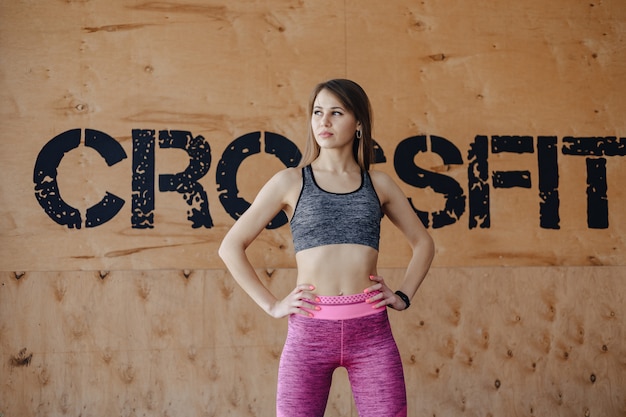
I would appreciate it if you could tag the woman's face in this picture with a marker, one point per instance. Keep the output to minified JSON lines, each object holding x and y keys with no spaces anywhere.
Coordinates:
{"x":332,"y":124}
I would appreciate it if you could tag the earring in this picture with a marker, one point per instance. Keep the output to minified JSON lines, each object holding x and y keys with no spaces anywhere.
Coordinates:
{"x":359,"y":135}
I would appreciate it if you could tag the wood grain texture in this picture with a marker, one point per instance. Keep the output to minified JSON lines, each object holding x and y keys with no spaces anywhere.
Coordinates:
{"x":229,"y":68}
{"x":476,"y":341}
{"x":514,"y":319}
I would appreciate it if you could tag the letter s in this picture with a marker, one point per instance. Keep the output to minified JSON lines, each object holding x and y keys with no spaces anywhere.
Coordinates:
{"x":412,"y":174}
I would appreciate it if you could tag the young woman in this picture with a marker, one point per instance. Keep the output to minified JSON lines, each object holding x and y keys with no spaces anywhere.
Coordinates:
{"x":338,"y":308}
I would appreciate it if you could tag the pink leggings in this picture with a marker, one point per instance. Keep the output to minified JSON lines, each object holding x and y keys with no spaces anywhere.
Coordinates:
{"x":358,"y":338}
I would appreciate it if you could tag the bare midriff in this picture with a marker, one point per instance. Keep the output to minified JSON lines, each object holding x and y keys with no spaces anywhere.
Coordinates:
{"x":340,"y":269}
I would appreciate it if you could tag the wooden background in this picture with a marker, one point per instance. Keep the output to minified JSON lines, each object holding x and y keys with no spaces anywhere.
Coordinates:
{"x":512,"y":320}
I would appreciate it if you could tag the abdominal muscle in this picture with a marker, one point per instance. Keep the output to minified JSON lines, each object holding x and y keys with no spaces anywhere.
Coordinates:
{"x":340,"y":269}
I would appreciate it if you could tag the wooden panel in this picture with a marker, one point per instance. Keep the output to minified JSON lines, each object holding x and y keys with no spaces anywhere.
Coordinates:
{"x":527,"y":341}
{"x":220,"y":71}
{"x":477,"y":341}
{"x":124,"y":321}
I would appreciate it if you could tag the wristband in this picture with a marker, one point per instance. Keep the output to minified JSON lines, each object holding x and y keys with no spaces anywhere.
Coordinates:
{"x":404,"y":298}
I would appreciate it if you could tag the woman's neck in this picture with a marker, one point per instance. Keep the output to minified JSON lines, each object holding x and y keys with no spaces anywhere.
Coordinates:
{"x":332,"y":161}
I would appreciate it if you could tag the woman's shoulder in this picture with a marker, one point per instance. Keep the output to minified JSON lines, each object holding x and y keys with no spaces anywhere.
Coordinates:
{"x":288,"y":175}
{"x":385,"y":186}
{"x":287,"y":180}
{"x":282,"y":189}
{"x":380,"y":177}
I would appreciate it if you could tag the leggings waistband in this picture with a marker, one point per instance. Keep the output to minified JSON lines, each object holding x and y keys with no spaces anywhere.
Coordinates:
{"x":344,"y":307}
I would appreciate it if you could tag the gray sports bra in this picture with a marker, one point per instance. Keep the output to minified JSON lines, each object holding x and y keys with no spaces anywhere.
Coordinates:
{"x":325,"y":218}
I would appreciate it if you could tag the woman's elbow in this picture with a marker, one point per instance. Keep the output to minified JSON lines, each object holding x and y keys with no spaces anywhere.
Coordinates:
{"x":430,"y":247}
{"x":225,"y":249}
{"x":425,"y":246}
{"x":221,"y":251}
{"x":230,"y":247}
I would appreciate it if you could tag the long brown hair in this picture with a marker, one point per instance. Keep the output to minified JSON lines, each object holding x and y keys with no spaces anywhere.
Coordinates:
{"x":354,"y":99}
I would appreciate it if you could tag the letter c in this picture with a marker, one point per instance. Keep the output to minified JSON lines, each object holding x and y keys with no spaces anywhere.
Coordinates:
{"x":45,"y":178}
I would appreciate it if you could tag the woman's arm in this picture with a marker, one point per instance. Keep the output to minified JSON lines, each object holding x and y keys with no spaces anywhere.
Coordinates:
{"x":397,"y":208}
{"x":273,"y":197}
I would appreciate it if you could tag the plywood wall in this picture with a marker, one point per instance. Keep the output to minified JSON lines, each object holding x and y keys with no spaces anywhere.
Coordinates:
{"x":502,"y":121}
{"x":512,"y":111}
{"x":531,"y":341}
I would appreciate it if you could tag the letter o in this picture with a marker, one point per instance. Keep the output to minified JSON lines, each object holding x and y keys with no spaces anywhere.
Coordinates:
{"x":235,"y":153}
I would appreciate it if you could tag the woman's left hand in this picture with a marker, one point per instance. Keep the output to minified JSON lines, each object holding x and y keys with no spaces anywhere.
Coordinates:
{"x":385,"y":297}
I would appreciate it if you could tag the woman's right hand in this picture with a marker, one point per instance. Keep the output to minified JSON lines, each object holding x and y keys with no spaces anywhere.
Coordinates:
{"x":298,"y":301}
